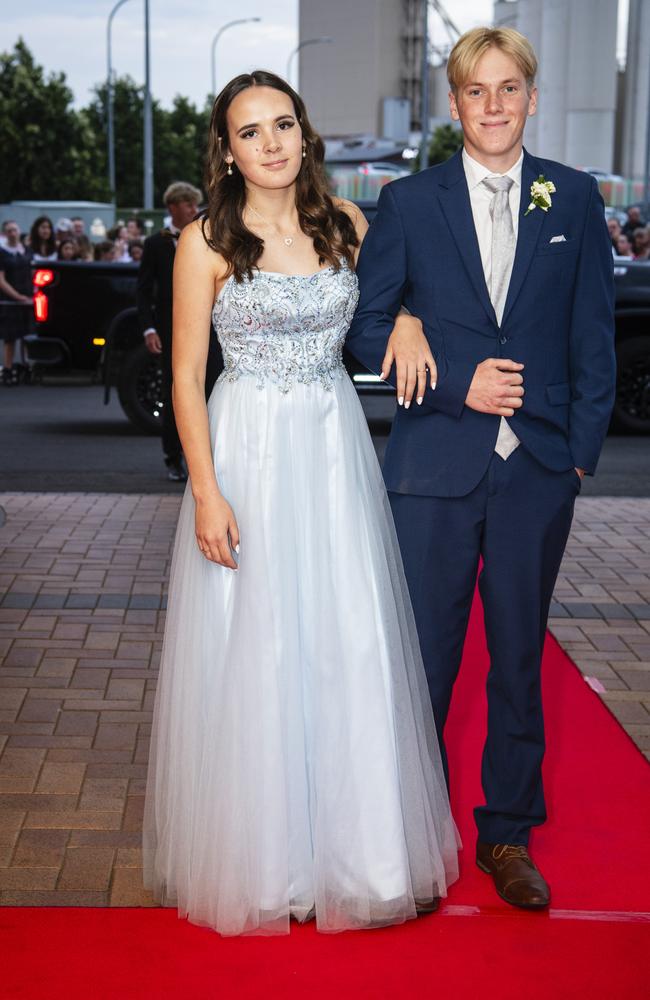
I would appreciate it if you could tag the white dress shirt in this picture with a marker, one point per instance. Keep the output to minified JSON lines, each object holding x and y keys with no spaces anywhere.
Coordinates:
{"x":480,"y":198}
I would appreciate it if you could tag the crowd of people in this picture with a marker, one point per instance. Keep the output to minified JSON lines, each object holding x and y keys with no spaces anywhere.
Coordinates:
{"x":68,"y":240}
{"x":632,"y":238}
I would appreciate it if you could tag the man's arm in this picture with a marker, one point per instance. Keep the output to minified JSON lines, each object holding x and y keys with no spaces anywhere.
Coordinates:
{"x":592,"y":361}
{"x":383,"y":273}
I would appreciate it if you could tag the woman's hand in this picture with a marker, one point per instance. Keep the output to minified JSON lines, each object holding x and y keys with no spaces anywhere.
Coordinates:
{"x":409,"y":349}
{"x":216,"y":530}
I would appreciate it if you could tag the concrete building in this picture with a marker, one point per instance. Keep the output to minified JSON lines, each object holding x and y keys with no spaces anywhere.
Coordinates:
{"x":636,"y":91}
{"x":376,"y":53}
{"x":575,"y":41}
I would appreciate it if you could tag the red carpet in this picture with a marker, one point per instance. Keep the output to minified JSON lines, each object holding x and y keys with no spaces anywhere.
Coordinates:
{"x":593,"y":944}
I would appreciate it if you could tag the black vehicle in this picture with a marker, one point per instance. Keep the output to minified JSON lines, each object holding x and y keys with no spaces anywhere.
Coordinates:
{"x":86,"y":321}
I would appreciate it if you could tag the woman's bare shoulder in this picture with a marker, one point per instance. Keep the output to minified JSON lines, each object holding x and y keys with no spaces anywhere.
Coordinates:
{"x":193,"y":243}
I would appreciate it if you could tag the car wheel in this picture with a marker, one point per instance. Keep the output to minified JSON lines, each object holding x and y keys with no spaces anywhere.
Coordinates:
{"x":632,"y":406}
{"x":139,"y":389}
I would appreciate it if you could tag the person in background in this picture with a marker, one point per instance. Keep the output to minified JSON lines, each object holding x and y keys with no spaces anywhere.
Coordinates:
{"x":614,"y":229}
{"x":16,"y":313}
{"x":641,"y":243}
{"x":41,"y":239}
{"x":623,"y":247}
{"x":136,"y":249}
{"x":120,"y":238}
{"x":64,"y":228}
{"x":68,"y":249}
{"x":105,"y":251}
{"x":634,"y":220}
{"x":154,"y":302}
{"x":135,"y":228}
{"x":78,"y":226}
{"x":85,"y":248}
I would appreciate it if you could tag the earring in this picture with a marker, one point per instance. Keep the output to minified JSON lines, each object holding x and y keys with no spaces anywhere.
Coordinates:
{"x":304,"y":152}
{"x":229,"y":171}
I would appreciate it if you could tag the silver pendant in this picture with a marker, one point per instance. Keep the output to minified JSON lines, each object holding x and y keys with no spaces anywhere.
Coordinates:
{"x":288,"y":240}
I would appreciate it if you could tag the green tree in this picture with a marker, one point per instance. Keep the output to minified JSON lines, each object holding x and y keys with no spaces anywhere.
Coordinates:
{"x":445,"y":141}
{"x":179,"y":139}
{"x":47,"y":147}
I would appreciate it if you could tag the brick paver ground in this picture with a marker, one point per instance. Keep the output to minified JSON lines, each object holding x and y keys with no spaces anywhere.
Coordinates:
{"x":82,"y":582}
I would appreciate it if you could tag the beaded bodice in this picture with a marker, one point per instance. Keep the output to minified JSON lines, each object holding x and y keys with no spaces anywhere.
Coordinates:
{"x":284,"y":328}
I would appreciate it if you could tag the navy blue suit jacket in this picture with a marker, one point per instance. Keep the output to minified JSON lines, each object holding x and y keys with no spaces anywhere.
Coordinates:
{"x":422,"y":252}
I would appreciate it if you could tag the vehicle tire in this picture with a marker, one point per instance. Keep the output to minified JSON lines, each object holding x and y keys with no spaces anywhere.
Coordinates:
{"x":632,"y":407}
{"x":139,"y":388}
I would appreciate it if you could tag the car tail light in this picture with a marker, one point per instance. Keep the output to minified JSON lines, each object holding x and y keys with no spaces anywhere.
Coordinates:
{"x":43,"y":277}
{"x":40,"y":306}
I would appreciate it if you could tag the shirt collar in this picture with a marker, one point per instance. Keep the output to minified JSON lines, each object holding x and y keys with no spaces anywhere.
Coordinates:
{"x":476,"y":173}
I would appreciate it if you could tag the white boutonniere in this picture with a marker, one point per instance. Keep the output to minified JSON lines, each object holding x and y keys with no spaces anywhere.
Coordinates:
{"x":540,"y":194}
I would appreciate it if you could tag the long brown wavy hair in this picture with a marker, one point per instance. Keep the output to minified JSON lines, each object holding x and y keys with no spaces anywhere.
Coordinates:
{"x":330,"y":228}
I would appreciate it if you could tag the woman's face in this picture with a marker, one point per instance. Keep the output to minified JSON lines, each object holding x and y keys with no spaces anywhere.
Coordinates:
{"x":265,"y":138}
{"x":44,"y":230}
{"x":67,"y":250}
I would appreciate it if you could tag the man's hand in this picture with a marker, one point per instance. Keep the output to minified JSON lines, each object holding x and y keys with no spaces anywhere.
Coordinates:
{"x":409,"y":349}
{"x":497,"y":387}
{"x":581,"y":472}
{"x":152,"y":340}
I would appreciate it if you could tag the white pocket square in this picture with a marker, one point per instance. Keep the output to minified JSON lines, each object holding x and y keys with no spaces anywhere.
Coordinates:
{"x":557,"y":239}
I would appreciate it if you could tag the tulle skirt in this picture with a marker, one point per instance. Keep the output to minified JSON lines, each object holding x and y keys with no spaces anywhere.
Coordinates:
{"x":294,"y":768}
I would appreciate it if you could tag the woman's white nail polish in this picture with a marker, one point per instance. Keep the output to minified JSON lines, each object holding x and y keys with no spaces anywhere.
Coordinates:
{"x":420,"y":400}
{"x":401,"y":401}
{"x":433,"y":385}
{"x":406,"y":405}
{"x":237,"y":549}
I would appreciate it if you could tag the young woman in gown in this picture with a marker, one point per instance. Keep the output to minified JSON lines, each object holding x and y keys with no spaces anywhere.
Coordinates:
{"x":294,"y":767}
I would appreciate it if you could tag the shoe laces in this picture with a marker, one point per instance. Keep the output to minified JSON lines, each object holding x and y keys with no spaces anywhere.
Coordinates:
{"x":507,"y":852}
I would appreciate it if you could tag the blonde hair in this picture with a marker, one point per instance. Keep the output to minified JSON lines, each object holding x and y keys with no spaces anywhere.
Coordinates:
{"x":473,"y":44}
{"x":182,"y":191}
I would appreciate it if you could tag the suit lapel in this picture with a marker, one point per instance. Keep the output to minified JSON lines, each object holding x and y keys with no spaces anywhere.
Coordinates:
{"x":454,"y":200}
{"x":527,"y":235}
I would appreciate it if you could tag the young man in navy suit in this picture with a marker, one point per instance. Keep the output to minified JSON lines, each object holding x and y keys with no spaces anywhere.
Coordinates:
{"x":506,"y":260}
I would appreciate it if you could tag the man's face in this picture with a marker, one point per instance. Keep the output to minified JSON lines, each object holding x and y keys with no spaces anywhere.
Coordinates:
{"x":492,"y":107}
{"x":634,"y":214}
{"x":182,"y":213}
{"x":12,"y":232}
{"x":78,"y":227}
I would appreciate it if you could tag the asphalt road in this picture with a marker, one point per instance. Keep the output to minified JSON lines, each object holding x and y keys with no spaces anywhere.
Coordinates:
{"x":57,"y":438}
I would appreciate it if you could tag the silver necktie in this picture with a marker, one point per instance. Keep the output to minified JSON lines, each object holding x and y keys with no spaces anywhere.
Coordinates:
{"x":502,"y":259}
{"x":503,"y":241}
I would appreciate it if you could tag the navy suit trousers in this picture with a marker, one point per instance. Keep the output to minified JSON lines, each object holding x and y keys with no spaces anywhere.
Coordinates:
{"x":517,"y":521}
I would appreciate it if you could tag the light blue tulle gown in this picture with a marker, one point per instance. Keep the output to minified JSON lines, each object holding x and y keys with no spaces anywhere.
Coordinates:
{"x":294,"y":767}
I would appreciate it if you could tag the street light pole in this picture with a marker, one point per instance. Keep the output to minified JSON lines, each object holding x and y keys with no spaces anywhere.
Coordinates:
{"x":109,"y":99}
{"x":646,"y":167}
{"x":424,"y":99}
{"x":308,"y":41}
{"x":148,"y":124}
{"x":213,"y":50}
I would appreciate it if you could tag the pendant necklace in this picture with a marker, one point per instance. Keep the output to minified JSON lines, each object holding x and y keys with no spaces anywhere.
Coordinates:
{"x":287,"y":240}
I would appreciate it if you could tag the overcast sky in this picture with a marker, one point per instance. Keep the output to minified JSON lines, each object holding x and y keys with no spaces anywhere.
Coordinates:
{"x":70,"y":35}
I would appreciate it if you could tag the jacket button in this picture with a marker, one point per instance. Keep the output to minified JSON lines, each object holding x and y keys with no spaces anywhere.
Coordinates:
{"x":503,"y":340}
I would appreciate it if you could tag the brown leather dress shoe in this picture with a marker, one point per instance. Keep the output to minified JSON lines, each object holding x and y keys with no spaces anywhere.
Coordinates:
{"x":516,"y":879}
